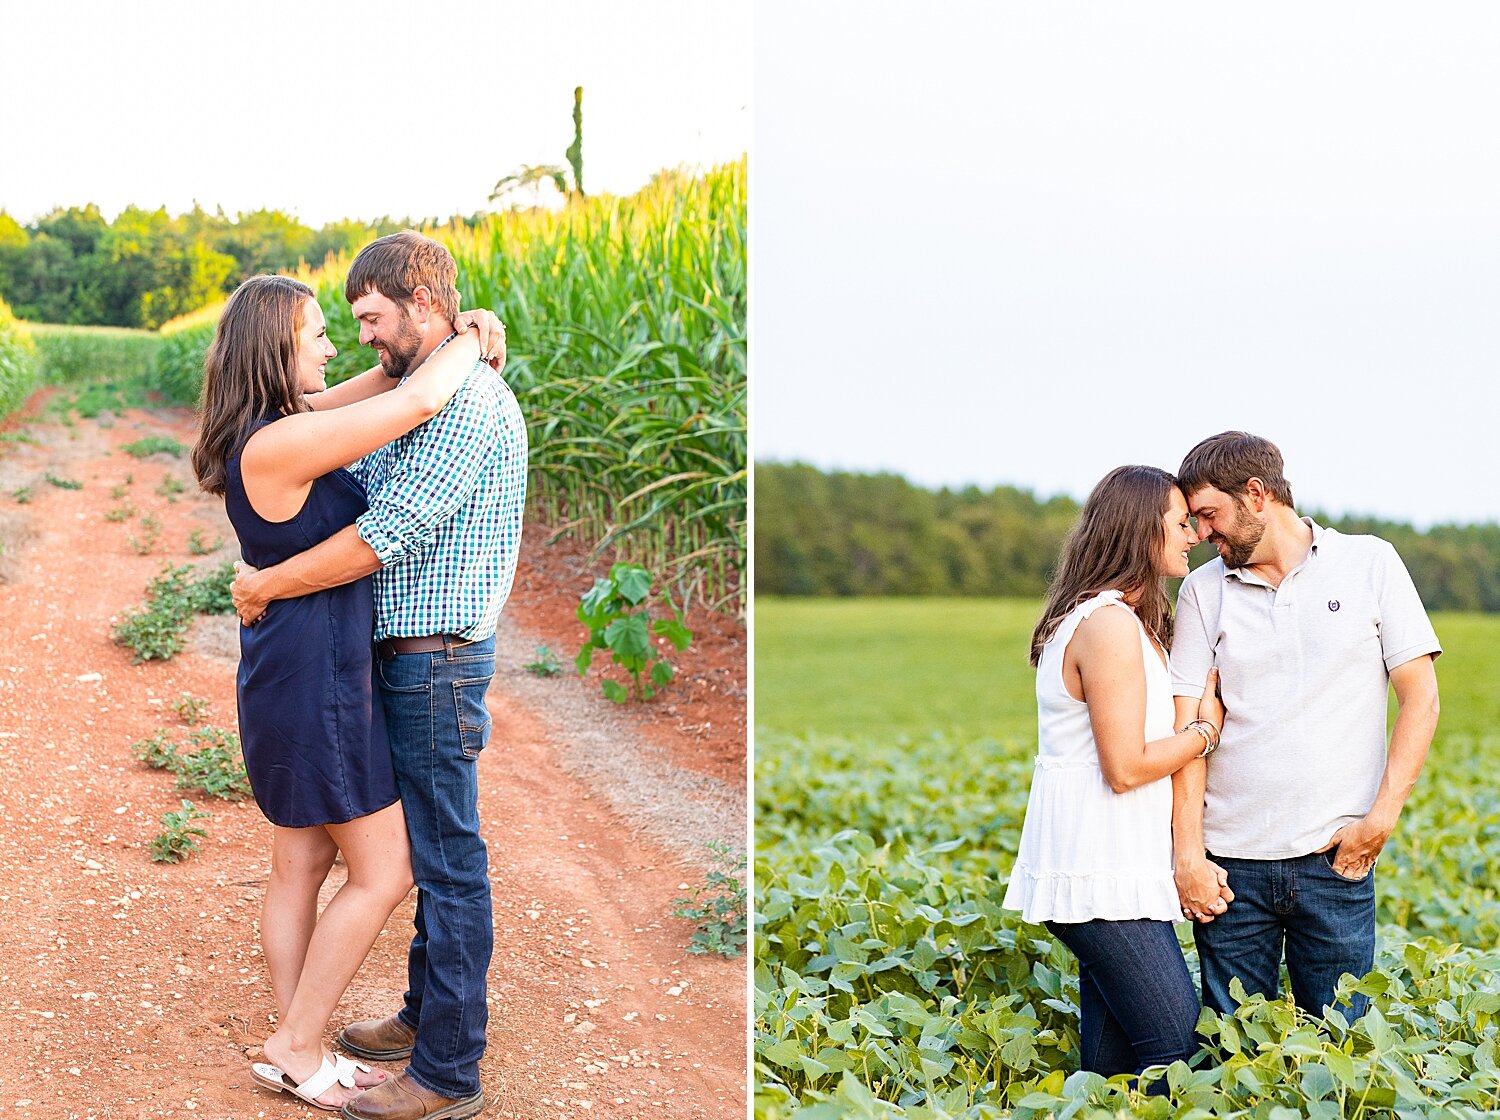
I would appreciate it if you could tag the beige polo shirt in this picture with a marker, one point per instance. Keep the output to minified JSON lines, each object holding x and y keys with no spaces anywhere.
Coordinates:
{"x":1304,"y":670}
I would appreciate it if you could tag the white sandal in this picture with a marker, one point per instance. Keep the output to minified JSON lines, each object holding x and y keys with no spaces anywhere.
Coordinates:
{"x":340,"y":1071}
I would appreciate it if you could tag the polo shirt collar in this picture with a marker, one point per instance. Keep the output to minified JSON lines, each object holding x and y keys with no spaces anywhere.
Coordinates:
{"x":1318,"y":533}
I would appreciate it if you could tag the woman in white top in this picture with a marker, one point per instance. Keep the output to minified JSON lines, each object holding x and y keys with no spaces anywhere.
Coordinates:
{"x":1095,"y":858}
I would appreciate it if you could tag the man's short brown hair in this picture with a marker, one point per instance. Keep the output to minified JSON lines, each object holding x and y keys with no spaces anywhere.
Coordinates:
{"x":1229,"y":460}
{"x":398,"y":264}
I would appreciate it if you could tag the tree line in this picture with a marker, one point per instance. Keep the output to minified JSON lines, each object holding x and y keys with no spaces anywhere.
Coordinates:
{"x":840,"y":533}
{"x":145,"y":267}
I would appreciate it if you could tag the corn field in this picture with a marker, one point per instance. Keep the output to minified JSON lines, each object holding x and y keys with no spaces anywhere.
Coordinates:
{"x":18,"y":365}
{"x":70,"y":354}
{"x":178,"y":372}
{"x":625,"y":323}
{"x":628,"y":326}
{"x":626,"y":335}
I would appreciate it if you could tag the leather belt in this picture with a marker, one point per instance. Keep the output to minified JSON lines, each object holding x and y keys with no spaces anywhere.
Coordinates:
{"x":387,"y":648}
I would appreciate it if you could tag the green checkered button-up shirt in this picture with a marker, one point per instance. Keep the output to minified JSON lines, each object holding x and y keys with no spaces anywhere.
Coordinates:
{"x":446,"y":501}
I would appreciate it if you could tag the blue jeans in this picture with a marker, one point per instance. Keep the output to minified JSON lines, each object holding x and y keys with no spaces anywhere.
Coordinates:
{"x":1325,"y":922}
{"x":437,"y":724}
{"x":1137,"y":1007}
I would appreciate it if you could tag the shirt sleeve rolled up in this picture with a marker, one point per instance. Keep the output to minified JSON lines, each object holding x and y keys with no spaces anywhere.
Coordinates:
{"x":427,"y":484}
{"x":1405,"y":630}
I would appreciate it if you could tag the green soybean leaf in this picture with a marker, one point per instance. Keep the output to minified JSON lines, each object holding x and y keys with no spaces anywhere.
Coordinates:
{"x":784,"y":1053}
{"x":1341,"y":1067}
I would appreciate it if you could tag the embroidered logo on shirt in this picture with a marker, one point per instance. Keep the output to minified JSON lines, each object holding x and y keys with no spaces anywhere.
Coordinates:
{"x":1333,"y":604}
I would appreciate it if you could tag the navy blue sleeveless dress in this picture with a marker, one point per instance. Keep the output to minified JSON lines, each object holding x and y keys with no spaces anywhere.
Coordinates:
{"x":311,"y":725}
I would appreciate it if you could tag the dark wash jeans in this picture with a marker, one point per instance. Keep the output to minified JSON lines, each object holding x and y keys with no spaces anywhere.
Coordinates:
{"x":1136,"y":1000}
{"x":1325,"y":922}
{"x":438,"y":724}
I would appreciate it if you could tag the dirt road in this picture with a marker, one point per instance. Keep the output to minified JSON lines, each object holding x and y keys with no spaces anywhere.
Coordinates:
{"x":135,"y":989}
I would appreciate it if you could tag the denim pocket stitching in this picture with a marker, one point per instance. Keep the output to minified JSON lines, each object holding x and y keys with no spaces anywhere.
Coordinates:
{"x":425,"y":686}
{"x":467,"y":733}
{"x":459,"y":661}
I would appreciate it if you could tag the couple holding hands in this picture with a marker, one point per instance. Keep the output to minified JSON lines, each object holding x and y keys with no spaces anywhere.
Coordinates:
{"x":1229,"y":765}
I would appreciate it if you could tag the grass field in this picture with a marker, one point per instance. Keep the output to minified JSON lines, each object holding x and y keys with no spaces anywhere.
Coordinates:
{"x":893,"y":758}
{"x":883,"y":667}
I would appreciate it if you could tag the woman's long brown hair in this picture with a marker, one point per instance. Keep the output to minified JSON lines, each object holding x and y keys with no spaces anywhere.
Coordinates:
{"x":1116,"y":545}
{"x":250,"y":371}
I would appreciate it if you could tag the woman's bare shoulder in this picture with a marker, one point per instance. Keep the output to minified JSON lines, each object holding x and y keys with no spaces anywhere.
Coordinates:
{"x":1110,"y":624}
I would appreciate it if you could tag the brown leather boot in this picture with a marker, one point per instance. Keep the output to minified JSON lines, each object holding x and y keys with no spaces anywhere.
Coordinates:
{"x":401,"y":1098}
{"x":380,"y":1040}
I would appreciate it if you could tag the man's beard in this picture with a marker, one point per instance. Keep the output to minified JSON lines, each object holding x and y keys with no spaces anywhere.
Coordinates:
{"x":1241,"y":538}
{"x":401,"y":348}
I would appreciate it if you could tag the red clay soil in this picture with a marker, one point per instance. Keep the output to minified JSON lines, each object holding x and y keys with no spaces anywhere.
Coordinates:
{"x":701,"y":717}
{"x":132,"y":988}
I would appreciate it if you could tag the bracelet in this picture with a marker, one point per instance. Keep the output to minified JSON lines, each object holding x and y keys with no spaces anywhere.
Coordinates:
{"x":1207,"y":744}
{"x":1210,"y":735}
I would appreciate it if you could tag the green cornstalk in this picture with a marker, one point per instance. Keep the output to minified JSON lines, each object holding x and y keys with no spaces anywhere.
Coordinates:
{"x":626,"y":321}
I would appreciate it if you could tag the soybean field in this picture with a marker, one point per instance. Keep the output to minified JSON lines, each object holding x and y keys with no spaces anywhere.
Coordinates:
{"x":894,"y":748}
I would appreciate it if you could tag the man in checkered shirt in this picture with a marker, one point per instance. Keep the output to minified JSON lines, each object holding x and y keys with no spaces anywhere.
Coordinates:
{"x":441,"y":537}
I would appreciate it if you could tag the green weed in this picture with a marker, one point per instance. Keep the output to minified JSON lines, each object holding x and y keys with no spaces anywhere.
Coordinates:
{"x":191,"y":709}
{"x":22,"y":495}
{"x":149,"y":534}
{"x":208,"y":593}
{"x":545,"y":664}
{"x":152,"y":445}
{"x":199,"y":544}
{"x":213,"y":765}
{"x":718,"y":907}
{"x":158,"y":752}
{"x":170,"y":487}
{"x":151,"y":634}
{"x":63,"y":483}
{"x":180,"y":834}
{"x":615,"y":612}
{"x":156,"y":631}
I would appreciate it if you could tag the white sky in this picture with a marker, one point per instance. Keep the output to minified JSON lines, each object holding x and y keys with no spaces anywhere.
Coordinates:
{"x":1025,"y":243}
{"x":331,"y":108}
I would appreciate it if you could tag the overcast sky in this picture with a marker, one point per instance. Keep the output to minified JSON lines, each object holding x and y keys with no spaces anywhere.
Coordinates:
{"x":1025,"y":243}
{"x":333,"y":108}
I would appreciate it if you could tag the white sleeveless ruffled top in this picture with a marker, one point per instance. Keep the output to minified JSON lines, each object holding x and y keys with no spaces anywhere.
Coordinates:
{"x":1086,"y":851}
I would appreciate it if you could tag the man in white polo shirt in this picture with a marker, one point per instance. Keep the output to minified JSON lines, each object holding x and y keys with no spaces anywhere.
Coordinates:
{"x":1308,"y":628}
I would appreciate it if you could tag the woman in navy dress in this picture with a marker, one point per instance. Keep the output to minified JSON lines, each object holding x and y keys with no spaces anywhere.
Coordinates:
{"x":275,"y":442}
